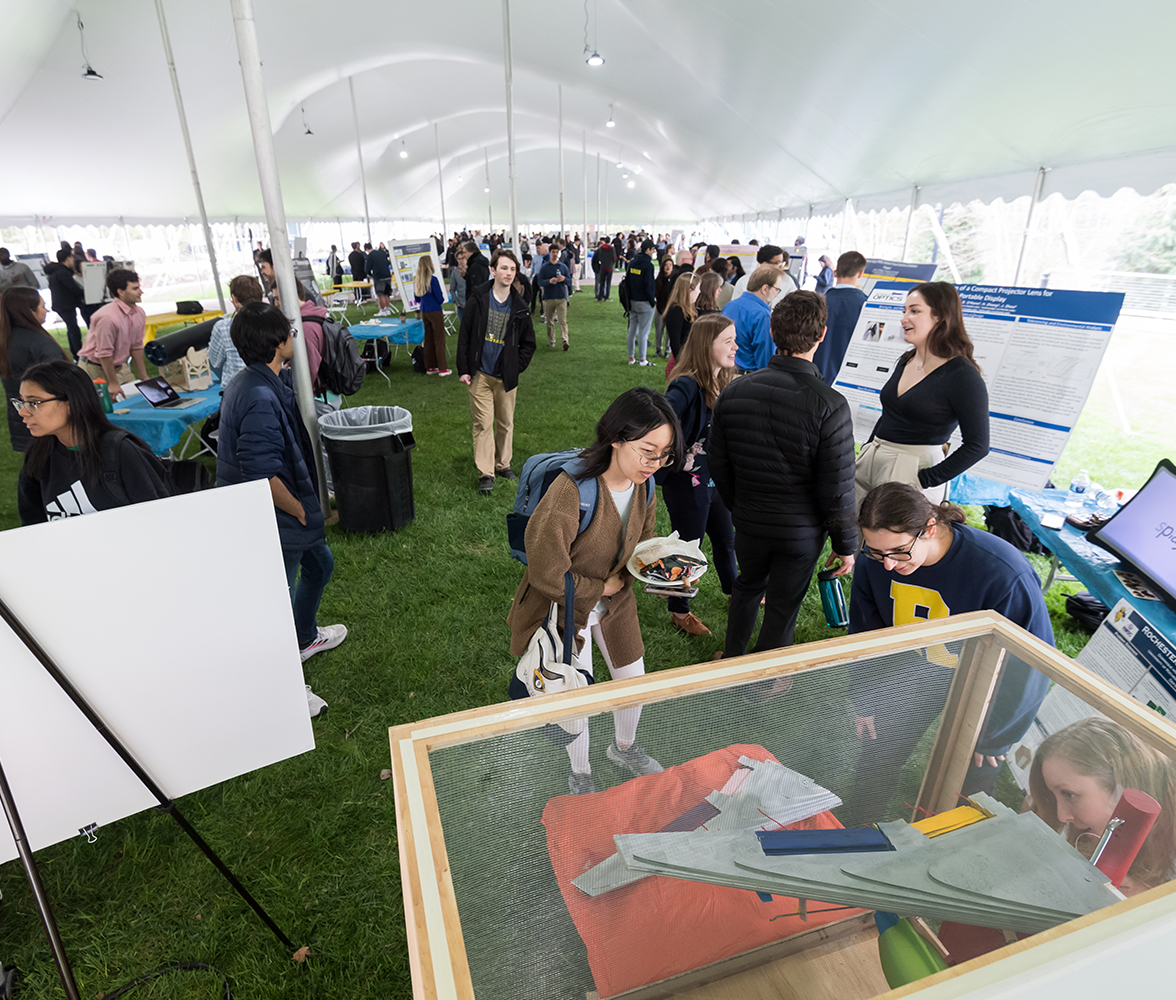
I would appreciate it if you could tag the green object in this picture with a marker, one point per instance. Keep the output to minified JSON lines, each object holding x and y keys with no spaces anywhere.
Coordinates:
{"x":104,"y":394}
{"x":906,"y":956}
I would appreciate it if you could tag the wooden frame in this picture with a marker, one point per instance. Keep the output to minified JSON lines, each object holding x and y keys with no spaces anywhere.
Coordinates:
{"x":437,"y":954}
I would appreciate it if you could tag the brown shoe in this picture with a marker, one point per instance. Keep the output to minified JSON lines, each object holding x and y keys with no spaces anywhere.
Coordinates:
{"x":690,"y":624}
{"x":566,"y":345}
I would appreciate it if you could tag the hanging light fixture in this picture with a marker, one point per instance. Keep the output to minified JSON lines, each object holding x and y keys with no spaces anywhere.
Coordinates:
{"x":89,"y":73}
{"x":595,"y":59}
{"x":304,"y":125}
{"x":632,"y":184}
{"x":403,"y":151}
{"x":610,"y":123}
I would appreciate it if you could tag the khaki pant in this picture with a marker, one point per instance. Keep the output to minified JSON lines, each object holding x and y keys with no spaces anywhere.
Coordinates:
{"x":122,"y":371}
{"x":556,"y":309}
{"x":492,"y":408}
{"x":882,"y":461}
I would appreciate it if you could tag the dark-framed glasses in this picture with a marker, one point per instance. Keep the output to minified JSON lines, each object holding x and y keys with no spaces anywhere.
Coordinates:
{"x":654,"y":461}
{"x":895,"y":555}
{"x":31,"y":405}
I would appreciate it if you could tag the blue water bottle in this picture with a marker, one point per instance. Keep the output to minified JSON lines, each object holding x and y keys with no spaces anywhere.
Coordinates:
{"x":832,"y":599}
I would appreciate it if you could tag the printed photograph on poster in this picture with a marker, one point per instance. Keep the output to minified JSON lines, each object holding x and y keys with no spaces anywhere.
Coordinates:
{"x":406,"y":255}
{"x":1038,"y":350}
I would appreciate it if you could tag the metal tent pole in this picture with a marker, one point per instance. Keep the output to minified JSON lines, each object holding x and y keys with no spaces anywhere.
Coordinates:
{"x":597,"y":197}
{"x":367,"y":219}
{"x":508,"y":68}
{"x":1037,"y":185}
{"x":440,"y":187}
{"x":275,"y":217}
{"x":171,"y":65}
{"x":559,"y":142}
{"x":906,"y":240}
{"x":489,"y":202}
{"x":584,"y":177}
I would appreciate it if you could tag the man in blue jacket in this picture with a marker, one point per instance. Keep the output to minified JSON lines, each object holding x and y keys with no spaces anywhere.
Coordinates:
{"x":262,"y":437}
{"x":752,"y":316}
{"x":640,"y":281}
{"x":845,"y":301}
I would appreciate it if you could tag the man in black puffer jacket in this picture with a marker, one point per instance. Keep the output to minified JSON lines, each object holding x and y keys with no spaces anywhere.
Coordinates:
{"x":781,"y":454}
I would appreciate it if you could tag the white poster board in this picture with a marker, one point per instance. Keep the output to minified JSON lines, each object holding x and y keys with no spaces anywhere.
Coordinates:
{"x":188,"y":653}
{"x":1038,"y":349}
{"x":405,"y":256}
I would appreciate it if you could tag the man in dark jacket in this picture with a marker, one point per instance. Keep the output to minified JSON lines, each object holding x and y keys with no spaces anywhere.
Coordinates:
{"x":494,"y":346}
{"x":379,"y":270}
{"x":781,"y":454}
{"x":357,"y":259}
{"x":640,"y":280}
{"x":477,"y":266}
{"x":603,"y":262}
{"x":262,"y":437}
{"x":67,"y":296}
{"x":844,"y":301}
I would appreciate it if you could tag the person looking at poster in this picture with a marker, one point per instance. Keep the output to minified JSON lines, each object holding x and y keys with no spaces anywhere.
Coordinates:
{"x":921,"y":561}
{"x":936,"y":387}
{"x":752,"y":316}
{"x":844,"y":301}
{"x":637,"y":435}
{"x":431,"y":296}
{"x":1076,"y":779}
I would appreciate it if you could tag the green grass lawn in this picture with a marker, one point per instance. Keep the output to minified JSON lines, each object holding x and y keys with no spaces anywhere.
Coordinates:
{"x":315,"y":837}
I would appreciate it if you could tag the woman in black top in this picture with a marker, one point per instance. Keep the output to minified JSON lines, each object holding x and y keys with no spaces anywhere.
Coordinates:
{"x":24,"y":342}
{"x":935,"y":387}
{"x":736,"y":271}
{"x":78,"y":461}
{"x":709,"y":286}
{"x":661,"y":295}
{"x":680,"y":312}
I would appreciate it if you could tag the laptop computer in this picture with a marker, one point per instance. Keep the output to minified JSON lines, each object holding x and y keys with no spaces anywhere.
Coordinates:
{"x":162,"y":396}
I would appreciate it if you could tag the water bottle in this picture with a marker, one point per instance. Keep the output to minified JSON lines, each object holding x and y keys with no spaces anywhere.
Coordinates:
{"x":1079,"y":486}
{"x":832,"y":599}
{"x":103,"y":391}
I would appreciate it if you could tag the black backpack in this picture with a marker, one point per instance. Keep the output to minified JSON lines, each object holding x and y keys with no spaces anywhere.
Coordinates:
{"x":418,"y":361}
{"x":341,"y":369}
{"x":624,"y":296}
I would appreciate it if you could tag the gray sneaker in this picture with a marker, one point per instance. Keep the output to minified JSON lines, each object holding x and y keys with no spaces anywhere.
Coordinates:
{"x":581,"y":784}
{"x":633,"y":759}
{"x":316,"y":704}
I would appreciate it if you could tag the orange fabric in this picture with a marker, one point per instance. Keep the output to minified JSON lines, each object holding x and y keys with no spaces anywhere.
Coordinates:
{"x":662,"y":927}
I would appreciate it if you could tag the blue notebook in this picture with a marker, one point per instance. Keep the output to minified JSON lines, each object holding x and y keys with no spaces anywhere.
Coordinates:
{"x":853,"y":841}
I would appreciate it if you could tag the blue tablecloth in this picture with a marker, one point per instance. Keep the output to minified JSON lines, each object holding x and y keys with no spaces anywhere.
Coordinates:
{"x":162,"y":429}
{"x":411,"y":331}
{"x":1092,"y":566}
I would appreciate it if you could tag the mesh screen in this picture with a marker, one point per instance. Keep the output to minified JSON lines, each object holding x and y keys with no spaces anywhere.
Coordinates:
{"x":519,"y":937}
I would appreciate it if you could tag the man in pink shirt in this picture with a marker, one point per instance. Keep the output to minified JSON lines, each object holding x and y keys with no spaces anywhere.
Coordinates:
{"x":116,"y":334}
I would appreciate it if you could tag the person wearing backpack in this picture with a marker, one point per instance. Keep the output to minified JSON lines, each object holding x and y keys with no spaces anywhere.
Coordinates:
{"x":494,"y":346}
{"x":638,"y":434}
{"x":262,"y":436}
{"x":641,"y":286}
{"x":603,"y":262}
{"x":78,"y":462}
{"x":313,"y":318}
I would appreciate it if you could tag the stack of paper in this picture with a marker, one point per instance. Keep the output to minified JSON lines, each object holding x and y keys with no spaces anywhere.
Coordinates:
{"x":1010,"y":872}
{"x":761,"y":795}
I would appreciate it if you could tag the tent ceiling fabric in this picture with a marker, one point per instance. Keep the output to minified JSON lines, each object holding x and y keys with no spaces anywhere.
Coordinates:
{"x":728,"y":110}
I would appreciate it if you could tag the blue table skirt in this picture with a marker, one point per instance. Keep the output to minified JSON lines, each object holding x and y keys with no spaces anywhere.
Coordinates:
{"x":1094,"y":567}
{"x":411,"y":331}
{"x":162,"y":429}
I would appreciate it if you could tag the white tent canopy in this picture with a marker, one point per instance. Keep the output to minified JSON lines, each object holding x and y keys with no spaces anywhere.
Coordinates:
{"x":753,"y":107}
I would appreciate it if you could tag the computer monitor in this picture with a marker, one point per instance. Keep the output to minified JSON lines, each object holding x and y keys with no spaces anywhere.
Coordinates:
{"x":1143,"y":532}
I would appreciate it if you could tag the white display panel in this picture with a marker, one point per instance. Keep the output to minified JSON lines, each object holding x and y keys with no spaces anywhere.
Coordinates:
{"x":173,"y":620}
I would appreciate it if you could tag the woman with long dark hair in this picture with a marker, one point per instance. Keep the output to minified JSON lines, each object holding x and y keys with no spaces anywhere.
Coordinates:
{"x":705,"y":367}
{"x":935,"y":388}
{"x":638,"y":434}
{"x":24,"y":342}
{"x":78,"y":461}
{"x":661,"y":289}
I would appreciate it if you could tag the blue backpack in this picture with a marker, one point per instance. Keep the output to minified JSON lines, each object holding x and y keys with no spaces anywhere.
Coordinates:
{"x":539,"y":472}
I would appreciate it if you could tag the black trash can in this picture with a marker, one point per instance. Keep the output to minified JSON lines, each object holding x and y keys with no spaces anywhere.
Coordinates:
{"x":369,"y":452}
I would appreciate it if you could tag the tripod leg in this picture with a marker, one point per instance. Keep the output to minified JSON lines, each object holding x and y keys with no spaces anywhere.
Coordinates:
{"x":40,"y":899}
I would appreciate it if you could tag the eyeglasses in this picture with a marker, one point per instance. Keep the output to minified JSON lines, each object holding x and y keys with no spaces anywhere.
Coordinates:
{"x":654,"y":461}
{"x":31,"y":405}
{"x":897,"y":555}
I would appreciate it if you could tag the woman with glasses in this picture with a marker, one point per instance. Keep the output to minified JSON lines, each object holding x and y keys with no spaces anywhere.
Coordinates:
{"x":935,"y":387}
{"x":921,"y":562}
{"x":78,"y":461}
{"x":24,"y":342}
{"x":637,"y":435}
{"x":706,"y":366}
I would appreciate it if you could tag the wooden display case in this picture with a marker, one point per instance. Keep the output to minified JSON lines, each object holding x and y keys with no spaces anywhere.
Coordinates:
{"x":839,"y":960}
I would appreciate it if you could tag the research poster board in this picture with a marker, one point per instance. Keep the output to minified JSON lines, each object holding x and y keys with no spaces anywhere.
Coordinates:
{"x":1127,"y":651}
{"x":895,"y":270}
{"x":405,"y":256}
{"x":1038,"y":349}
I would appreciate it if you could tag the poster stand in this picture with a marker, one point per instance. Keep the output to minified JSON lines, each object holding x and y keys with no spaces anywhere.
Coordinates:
{"x":166,"y":804}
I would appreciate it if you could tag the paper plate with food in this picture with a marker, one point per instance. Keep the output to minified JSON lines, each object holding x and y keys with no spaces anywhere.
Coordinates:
{"x":668,"y":562}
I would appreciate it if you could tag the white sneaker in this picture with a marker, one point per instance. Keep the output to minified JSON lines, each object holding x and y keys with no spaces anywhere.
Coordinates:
{"x":383,"y":312}
{"x":314,"y":703}
{"x":328,"y":637}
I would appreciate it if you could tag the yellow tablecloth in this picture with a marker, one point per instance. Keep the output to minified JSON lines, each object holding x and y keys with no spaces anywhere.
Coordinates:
{"x":156,"y":323}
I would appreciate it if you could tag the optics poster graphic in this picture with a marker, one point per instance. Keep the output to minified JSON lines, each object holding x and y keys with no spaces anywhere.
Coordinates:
{"x":1038,"y":349}
{"x":405,"y":256}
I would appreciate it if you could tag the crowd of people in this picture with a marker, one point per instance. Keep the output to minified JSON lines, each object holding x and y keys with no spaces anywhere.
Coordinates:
{"x":751,"y":445}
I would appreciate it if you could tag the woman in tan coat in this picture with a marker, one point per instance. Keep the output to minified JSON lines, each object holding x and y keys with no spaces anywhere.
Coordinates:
{"x":637,"y":435}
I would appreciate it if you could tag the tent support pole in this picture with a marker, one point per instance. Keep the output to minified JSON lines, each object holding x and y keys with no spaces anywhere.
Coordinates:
{"x":1038,"y":183}
{"x":559,"y":143}
{"x":597,"y":198}
{"x":275,"y":217}
{"x":508,"y":69}
{"x":941,"y":239}
{"x":440,"y":187}
{"x":367,"y":219}
{"x":584,"y":175}
{"x":171,"y":65}
{"x":844,"y":220}
{"x":489,"y":203}
{"x":906,"y":240}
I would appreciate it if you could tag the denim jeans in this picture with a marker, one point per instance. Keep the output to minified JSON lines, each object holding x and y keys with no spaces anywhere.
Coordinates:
{"x":317,"y":565}
{"x":640,"y":316}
